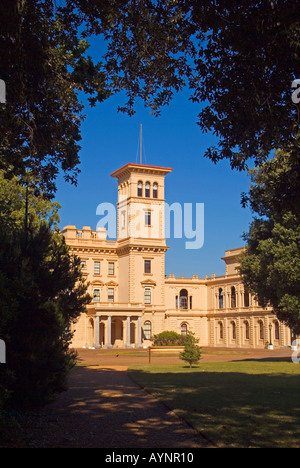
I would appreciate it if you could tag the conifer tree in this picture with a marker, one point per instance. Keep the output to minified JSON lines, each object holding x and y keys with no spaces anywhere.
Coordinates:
{"x":192,"y":352}
{"x":270,"y":266}
{"x":42,"y":293}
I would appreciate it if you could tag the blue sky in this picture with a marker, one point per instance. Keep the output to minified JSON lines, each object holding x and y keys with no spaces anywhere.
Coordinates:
{"x":110,"y":140}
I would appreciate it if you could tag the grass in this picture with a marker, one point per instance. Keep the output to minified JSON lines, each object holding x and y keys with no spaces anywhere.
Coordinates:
{"x":234,"y":404}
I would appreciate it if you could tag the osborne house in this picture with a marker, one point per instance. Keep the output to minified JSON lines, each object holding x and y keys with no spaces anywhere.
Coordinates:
{"x":133,"y":299}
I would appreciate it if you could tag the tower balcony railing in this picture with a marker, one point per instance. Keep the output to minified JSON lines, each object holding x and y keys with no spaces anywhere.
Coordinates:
{"x":183,"y":304}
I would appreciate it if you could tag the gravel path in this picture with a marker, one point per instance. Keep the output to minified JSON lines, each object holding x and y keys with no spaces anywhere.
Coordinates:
{"x":103,"y":408}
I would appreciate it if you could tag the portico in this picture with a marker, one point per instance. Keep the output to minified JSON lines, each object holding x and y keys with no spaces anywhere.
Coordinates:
{"x":116,"y":328}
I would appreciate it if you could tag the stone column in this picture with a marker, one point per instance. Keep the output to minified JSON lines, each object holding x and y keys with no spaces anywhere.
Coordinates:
{"x":108,"y":332}
{"x":139,"y":332}
{"x":97,"y":332}
{"x":128,"y":332}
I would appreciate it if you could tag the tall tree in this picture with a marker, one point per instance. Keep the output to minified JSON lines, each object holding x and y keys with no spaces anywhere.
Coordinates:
{"x":44,"y":65}
{"x":22,"y":205}
{"x":270,"y":267}
{"x":42,"y":292}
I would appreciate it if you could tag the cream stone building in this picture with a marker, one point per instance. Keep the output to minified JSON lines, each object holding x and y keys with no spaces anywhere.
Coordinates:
{"x":132,"y":299}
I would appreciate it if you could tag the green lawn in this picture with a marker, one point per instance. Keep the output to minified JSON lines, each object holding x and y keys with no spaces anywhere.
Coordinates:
{"x":234,"y":404}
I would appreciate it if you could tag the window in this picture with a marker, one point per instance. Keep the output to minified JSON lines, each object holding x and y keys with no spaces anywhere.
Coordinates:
{"x":111,"y":268}
{"x":247,"y":330}
{"x":83,"y":263}
{"x":147,"y":330}
{"x":191,"y":302}
{"x":221,"y":330}
{"x":147,"y":189}
{"x":147,"y":295}
{"x":140,"y":188}
{"x":184,"y":329}
{"x":276,"y":325}
{"x":148,"y":218}
{"x":96,"y":295}
{"x":233,"y":297}
{"x":221,"y":299}
{"x":147,"y":266}
{"x":183,"y":299}
{"x":233,"y":328}
{"x":110,"y":295}
{"x":261,"y":330}
{"x":246,"y":298}
{"x":155,"y":190}
{"x":96,"y":268}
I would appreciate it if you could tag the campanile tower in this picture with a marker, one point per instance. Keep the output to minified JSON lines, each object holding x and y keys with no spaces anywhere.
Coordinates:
{"x":141,"y":197}
{"x":141,"y":230}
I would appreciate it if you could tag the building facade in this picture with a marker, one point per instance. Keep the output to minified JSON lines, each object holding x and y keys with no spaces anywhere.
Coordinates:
{"x":133,"y":299}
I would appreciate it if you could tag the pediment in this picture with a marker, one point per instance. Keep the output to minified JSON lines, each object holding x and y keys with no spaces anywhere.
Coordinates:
{"x":97,"y":283}
{"x":148,"y":282}
{"x":111,"y":283}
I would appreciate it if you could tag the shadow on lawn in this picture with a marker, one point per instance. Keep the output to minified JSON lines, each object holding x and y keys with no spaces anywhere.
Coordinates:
{"x":232,"y":409}
{"x":104,"y":408}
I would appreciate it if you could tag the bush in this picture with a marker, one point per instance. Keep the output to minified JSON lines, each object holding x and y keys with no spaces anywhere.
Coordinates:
{"x":168,"y":338}
{"x":192,"y":352}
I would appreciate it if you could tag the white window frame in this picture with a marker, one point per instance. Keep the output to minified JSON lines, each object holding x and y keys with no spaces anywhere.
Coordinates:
{"x":96,"y":298}
{"x":111,"y":295}
{"x":147,"y":330}
{"x":147,"y":295}
{"x":111,"y":268}
{"x":96,"y":267}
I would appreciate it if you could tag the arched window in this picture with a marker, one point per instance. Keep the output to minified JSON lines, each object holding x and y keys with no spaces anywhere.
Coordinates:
{"x":221,"y":299}
{"x":184,"y":329}
{"x":233,"y":297}
{"x":233,"y":329}
{"x":221,"y":333}
{"x":261,"y":330}
{"x":183,"y":299}
{"x":147,"y":330}
{"x":247,"y":330}
{"x":246,"y":298}
{"x":147,"y":189}
{"x":276,"y":332}
{"x":155,"y":186}
{"x":140,"y":188}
